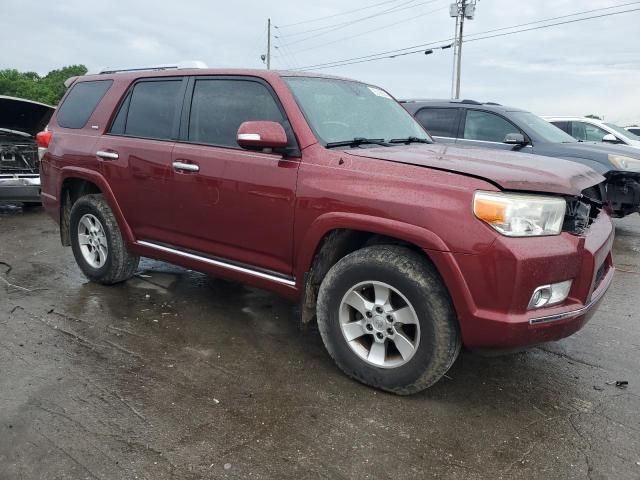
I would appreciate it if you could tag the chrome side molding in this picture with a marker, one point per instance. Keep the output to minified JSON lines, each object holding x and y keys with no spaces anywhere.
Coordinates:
{"x":290,"y":282}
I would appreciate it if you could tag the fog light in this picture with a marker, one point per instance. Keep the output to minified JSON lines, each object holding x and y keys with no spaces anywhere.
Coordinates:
{"x":547,"y":295}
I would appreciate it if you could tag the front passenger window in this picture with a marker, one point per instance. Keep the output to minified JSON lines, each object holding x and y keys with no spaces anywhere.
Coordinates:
{"x":219,"y":107}
{"x":587,"y":132}
{"x":487,"y":127}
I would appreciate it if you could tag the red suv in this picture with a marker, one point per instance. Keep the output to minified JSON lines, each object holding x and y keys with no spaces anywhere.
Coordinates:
{"x":328,"y":192}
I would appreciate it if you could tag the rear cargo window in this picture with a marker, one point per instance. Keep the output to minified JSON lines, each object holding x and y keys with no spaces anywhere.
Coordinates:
{"x":149,"y":111}
{"x":80,"y":103}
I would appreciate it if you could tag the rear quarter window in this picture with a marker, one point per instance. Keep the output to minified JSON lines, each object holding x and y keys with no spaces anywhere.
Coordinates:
{"x":80,"y":103}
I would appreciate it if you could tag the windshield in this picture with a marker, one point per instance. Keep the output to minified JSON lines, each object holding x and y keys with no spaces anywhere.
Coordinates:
{"x":342,"y":110}
{"x":546,"y":131}
{"x":622,"y":131}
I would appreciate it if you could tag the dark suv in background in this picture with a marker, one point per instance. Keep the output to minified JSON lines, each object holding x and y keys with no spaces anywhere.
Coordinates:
{"x":490,"y":125}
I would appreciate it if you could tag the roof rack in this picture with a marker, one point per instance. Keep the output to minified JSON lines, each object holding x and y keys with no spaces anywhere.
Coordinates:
{"x":169,"y":66}
{"x":470,"y":102}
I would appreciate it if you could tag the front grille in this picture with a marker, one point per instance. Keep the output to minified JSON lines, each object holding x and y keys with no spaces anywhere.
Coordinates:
{"x":18,"y":158}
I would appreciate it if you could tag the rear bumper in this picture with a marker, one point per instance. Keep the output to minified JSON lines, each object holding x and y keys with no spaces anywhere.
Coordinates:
{"x":20,"y":188}
{"x":491,"y":290}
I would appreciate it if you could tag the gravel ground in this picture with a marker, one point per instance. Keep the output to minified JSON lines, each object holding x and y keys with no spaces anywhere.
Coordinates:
{"x":176,"y":375}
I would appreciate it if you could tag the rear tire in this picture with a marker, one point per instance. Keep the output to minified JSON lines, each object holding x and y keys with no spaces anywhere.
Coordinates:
{"x":97,"y":243}
{"x":403,"y":312}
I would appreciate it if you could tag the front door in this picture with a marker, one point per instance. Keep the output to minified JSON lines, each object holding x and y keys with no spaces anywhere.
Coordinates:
{"x":486,"y":130}
{"x":234,"y":204}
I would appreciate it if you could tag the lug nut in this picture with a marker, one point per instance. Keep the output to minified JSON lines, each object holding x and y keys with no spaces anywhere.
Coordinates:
{"x":389,"y":318}
{"x":369,"y":327}
{"x":390,"y":331}
{"x":379,"y":335}
{"x":379,"y":309}
{"x":369,"y":314}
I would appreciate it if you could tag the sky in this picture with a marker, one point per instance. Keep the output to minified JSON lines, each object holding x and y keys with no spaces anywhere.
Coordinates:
{"x":590,"y":67}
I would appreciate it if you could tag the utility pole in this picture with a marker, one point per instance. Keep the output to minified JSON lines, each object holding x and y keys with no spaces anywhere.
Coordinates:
{"x":462,"y":9}
{"x":268,"y":44}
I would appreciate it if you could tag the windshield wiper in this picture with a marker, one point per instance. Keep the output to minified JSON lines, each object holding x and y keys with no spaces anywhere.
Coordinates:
{"x":409,"y":140}
{"x":358,"y":141}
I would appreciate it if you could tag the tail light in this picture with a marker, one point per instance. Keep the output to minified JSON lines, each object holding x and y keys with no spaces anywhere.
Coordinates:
{"x":43,"y":139}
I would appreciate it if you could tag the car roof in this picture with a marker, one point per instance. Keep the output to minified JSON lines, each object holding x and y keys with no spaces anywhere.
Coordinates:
{"x":413,"y":105}
{"x":567,"y":119}
{"x":173,"y":72}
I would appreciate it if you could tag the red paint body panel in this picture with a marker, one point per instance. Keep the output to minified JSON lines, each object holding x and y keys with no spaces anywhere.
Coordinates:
{"x":271,"y":213}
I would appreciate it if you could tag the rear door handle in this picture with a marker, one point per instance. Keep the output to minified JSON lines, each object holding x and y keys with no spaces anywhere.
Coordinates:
{"x":107,"y":155}
{"x":186,"y":167}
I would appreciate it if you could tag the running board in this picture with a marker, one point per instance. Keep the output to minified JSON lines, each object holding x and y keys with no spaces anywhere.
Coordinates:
{"x":235,"y":267}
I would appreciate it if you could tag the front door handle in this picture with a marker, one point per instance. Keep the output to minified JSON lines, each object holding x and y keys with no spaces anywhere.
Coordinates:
{"x":186,"y":167}
{"x":107,"y":155}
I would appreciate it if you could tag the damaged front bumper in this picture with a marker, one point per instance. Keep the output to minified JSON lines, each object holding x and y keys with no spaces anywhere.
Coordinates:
{"x":20,"y":188}
{"x":623,"y":192}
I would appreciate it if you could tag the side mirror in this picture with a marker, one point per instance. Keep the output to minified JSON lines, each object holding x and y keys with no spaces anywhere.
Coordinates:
{"x":514,"y":139}
{"x":261,"y":135}
{"x":610,"y":138}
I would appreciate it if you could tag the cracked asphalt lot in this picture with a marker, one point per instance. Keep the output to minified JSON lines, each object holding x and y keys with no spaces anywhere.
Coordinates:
{"x":176,"y":375}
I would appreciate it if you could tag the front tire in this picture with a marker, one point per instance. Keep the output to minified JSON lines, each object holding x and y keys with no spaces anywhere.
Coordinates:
{"x":386,"y":319}
{"x":97,"y":243}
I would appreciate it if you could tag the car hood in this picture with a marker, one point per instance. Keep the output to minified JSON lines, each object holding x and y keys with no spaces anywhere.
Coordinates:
{"x":508,"y":170}
{"x":24,"y":115}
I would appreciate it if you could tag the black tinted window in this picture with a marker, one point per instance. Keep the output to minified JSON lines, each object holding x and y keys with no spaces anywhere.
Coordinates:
{"x":149,"y":110}
{"x":81,"y":102}
{"x":439,"y":122}
{"x":564,"y":126}
{"x":220,"y":106}
{"x":487,"y":127}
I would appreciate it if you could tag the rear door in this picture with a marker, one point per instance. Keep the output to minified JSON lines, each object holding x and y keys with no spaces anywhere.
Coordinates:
{"x":442,"y":123}
{"x":486,"y":129}
{"x":230,"y":203}
{"x":136,"y":154}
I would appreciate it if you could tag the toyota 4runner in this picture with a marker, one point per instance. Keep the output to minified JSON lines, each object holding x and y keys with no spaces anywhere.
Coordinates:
{"x":328,"y":192}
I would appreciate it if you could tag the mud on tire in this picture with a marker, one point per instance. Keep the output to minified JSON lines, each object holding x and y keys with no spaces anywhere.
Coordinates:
{"x":118,"y":264}
{"x":411,"y":277}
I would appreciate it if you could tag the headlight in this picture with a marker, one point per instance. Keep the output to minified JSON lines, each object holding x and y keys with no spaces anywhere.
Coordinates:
{"x":520,"y":215}
{"x":625,"y":163}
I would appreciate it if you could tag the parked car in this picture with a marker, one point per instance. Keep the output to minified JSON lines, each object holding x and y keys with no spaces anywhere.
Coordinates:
{"x":635,"y":130}
{"x":490,"y":125}
{"x":593,"y":130}
{"x":20,"y":120}
{"x":328,"y":192}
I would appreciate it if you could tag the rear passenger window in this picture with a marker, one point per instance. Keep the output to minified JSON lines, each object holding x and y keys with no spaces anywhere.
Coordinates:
{"x":487,"y":127}
{"x":439,"y":122}
{"x":80,"y":103}
{"x":149,"y":111}
{"x":219,"y":107}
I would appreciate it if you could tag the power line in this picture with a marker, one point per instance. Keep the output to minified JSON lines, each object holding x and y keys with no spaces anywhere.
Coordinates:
{"x":401,"y":7}
{"x":409,"y":50}
{"x":341,"y":39}
{"x":313,"y":20}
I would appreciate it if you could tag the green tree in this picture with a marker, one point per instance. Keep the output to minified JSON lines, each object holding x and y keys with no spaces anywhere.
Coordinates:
{"x":48,"y":89}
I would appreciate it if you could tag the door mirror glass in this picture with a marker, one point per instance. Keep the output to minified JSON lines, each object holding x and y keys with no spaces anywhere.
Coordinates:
{"x":514,"y":139}
{"x":263,"y":134}
{"x":610,"y":138}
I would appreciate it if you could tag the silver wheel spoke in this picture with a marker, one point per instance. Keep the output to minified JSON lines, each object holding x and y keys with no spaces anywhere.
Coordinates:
{"x":83,"y":239}
{"x":405,"y":316}
{"x":404,"y":346}
{"x":86,"y":223}
{"x":357,"y":301}
{"x":377,"y":353}
{"x":103,"y":254}
{"x":353,"y":330}
{"x":382,"y":294}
